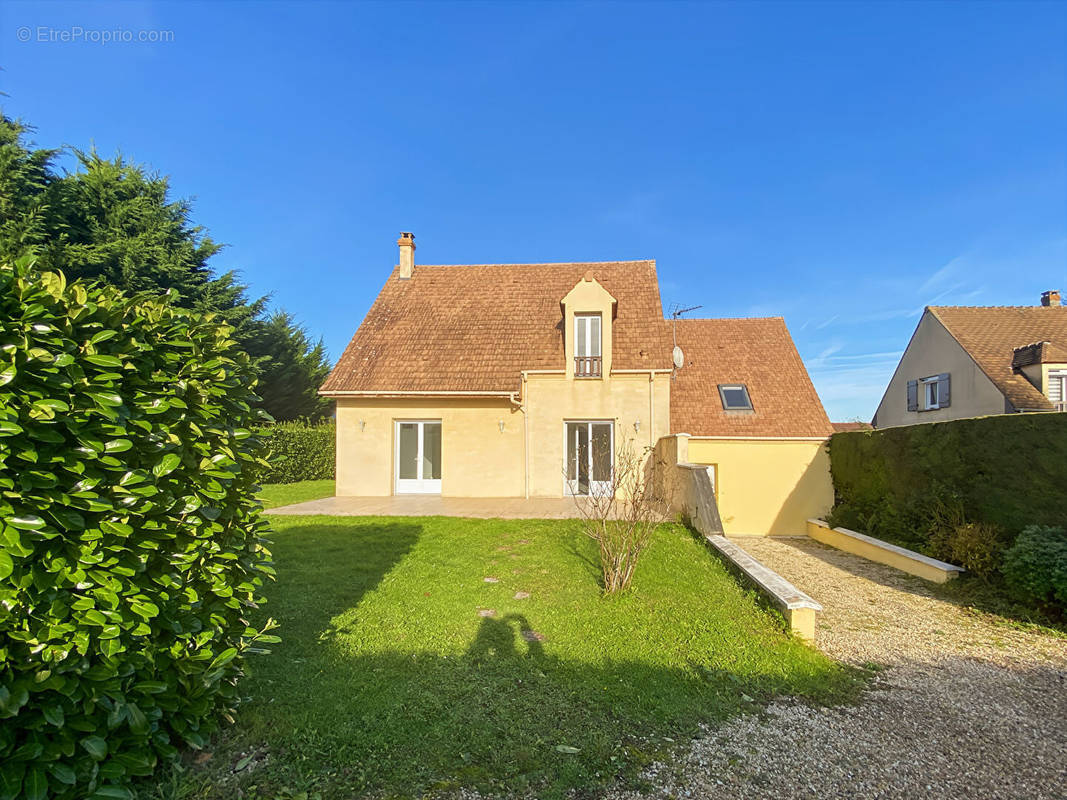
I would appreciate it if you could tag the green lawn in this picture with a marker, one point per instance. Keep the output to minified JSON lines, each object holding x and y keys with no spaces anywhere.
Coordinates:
{"x":389,"y":681}
{"x":283,"y":494}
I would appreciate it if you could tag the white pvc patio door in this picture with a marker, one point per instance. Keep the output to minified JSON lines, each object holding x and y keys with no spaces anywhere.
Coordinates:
{"x":418,"y":457}
{"x":590,"y":454}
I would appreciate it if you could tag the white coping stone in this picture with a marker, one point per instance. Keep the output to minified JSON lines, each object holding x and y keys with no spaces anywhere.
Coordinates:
{"x":780,"y":590}
{"x":892,"y":548}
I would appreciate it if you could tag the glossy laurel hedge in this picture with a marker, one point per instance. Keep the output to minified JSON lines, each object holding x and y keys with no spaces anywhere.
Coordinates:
{"x":131,"y":546}
{"x":1005,"y":471}
{"x":299,"y":451}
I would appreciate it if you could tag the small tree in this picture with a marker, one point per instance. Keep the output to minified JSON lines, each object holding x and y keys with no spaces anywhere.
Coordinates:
{"x":622,"y":516}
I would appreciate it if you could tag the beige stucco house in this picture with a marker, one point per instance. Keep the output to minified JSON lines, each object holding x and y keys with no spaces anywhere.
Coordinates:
{"x":527,"y":380}
{"x":976,"y":361}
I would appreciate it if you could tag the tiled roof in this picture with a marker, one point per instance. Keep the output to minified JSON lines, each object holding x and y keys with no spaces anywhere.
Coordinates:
{"x":848,"y":427}
{"x":474,"y":328}
{"x":990,"y":335}
{"x":758,"y":353}
{"x":1038,"y":353}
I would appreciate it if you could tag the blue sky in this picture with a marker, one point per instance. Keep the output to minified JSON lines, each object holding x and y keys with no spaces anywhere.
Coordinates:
{"x":839,"y":164}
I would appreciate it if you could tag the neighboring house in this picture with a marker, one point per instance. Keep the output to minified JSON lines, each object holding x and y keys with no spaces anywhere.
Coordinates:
{"x":526,"y":380}
{"x":976,"y":361}
{"x":851,"y":427}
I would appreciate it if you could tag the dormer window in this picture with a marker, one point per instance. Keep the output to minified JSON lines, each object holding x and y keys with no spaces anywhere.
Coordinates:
{"x":587,"y":346}
{"x":734,"y":397}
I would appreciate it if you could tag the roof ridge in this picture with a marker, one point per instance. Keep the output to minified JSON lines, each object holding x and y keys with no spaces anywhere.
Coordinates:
{"x":981,"y":308}
{"x":546,"y":263}
{"x":725,"y":319}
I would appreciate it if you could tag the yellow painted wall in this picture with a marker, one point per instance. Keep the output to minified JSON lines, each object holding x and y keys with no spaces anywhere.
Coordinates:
{"x":477,"y":459}
{"x":766,"y":486}
{"x":625,"y":398}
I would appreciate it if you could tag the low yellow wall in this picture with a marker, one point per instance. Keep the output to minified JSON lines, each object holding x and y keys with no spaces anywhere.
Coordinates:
{"x":477,"y":458}
{"x":766,"y":486}
{"x":882,"y":552}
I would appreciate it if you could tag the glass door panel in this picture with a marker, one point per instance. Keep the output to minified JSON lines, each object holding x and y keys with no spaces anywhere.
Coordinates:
{"x":418,"y":457}
{"x":407,"y":460}
{"x":589,"y":457}
{"x":431,"y":450}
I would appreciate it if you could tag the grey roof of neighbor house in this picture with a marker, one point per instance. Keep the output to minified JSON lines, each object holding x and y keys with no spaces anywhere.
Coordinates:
{"x":991,"y":334}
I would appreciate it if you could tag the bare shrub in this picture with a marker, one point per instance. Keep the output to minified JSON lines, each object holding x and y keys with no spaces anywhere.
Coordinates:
{"x":975,"y":546}
{"x":622,"y":515}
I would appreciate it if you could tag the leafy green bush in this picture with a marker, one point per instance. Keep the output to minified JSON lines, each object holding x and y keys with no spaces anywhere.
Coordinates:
{"x":131,"y":545}
{"x":299,"y":451}
{"x":1035,"y":567}
{"x":1006,"y":471}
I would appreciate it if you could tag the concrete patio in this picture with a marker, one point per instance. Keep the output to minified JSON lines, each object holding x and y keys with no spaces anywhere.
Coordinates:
{"x":428,"y":505}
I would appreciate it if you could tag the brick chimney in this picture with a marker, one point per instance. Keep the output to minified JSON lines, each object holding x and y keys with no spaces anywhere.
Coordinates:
{"x":407,"y":254}
{"x":1050,"y":298}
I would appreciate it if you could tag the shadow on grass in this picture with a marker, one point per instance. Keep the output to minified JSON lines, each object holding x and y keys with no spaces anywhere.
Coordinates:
{"x":334,"y":714}
{"x":506,"y":716}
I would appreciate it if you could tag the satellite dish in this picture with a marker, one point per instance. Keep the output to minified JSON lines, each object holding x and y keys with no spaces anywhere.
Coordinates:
{"x":679,"y":359}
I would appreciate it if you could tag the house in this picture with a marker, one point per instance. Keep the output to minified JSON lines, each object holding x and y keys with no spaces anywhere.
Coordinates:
{"x":528,"y":380}
{"x":976,"y":361}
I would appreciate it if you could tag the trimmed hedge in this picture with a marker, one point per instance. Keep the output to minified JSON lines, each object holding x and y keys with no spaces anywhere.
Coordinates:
{"x":1006,"y":471}
{"x":131,"y":546}
{"x":299,"y":451}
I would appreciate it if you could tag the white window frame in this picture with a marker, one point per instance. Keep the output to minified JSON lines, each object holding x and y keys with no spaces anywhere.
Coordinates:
{"x":1059,"y":375}
{"x":926,"y":384}
{"x":587,"y":319}
{"x":570,"y":488}
{"x":419,"y":484}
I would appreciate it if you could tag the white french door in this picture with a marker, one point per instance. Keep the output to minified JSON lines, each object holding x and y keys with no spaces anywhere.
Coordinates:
{"x":590,"y":456}
{"x":418,"y":457}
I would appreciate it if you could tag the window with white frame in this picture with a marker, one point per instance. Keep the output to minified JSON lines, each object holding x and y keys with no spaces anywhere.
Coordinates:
{"x":587,"y":346}
{"x":1057,"y":389}
{"x":930,"y":393}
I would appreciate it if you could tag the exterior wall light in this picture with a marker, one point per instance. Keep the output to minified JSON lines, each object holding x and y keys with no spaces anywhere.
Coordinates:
{"x":362,"y":425}
{"x":637,"y":425}
{"x":501,"y":424}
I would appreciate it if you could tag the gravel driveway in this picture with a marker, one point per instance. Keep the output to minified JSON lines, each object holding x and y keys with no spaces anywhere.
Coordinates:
{"x":966,"y":707}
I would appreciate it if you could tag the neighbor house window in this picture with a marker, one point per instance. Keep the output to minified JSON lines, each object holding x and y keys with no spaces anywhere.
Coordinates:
{"x":930,"y":393}
{"x":1057,"y":389}
{"x":735,"y":397}
{"x":587,"y":351}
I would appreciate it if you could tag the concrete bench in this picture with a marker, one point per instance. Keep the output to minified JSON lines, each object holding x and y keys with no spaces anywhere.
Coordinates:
{"x":799,"y":609}
{"x":883,"y":552}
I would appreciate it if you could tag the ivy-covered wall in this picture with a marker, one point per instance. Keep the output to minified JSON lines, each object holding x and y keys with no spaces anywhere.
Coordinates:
{"x":1009,"y":471}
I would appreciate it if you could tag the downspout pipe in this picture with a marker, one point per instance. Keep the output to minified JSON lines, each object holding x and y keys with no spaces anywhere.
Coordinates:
{"x":521,"y":405}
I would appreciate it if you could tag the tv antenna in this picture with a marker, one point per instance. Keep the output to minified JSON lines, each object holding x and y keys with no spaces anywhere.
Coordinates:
{"x":677,"y":311}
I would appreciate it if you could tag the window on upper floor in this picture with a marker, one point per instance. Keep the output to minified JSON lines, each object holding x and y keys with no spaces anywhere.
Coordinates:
{"x":587,"y":346}
{"x":1057,"y":389}
{"x":930,"y":393}
{"x":735,"y":397}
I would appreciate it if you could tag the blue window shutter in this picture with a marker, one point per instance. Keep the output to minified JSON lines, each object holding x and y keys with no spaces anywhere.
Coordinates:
{"x":913,"y":395}
{"x":944,"y":390}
